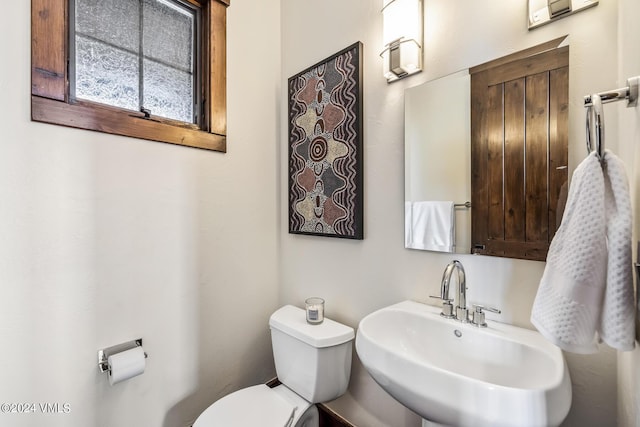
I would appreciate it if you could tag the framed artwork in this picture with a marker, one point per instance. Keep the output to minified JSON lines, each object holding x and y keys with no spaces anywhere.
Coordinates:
{"x":325,"y":147}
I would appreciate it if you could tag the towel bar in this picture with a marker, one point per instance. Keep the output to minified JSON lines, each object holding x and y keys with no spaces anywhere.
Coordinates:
{"x":593,"y":103}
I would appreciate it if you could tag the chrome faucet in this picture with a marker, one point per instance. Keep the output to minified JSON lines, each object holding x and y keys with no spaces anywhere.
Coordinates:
{"x":461,"y":313}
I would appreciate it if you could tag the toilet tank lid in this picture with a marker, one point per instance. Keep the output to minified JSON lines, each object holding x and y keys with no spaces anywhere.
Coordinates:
{"x":293,"y":321}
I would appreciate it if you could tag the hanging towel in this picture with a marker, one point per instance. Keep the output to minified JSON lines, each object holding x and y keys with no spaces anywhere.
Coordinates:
{"x":408,"y":223}
{"x":568,"y":304}
{"x":617,"y":324}
{"x":432,"y":226}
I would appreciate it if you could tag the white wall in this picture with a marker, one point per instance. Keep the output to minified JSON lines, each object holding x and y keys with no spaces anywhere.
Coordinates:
{"x":355,"y":277}
{"x":104,"y":239}
{"x":629,"y":128}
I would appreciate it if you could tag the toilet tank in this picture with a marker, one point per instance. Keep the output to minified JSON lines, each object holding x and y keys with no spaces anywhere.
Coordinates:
{"x":312,"y":360}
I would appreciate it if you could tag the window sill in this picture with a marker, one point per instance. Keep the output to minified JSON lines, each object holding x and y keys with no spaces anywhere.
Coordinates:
{"x":108,"y":120}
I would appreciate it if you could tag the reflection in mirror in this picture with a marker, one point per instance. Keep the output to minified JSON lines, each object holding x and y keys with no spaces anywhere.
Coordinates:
{"x":519,"y":150}
{"x":542,"y":12}
{"x":437,"y":165}
{"x":508,"y":156}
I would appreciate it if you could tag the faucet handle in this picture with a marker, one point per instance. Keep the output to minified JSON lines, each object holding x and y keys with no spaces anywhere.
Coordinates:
{"x":478,"y":314}
{"x":447,"y":306}
{"x":449,"y":300}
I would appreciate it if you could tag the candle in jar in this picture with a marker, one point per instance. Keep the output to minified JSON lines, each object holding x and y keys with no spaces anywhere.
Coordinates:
{"x":315,"y":310}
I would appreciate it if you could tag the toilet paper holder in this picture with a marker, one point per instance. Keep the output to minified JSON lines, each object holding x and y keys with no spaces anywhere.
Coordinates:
{"x":103,"y":355}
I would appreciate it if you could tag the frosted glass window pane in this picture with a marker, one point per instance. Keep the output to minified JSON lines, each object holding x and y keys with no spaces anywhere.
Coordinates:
{"x":168,"y":34}
{"x":168,"y":92}
{"x":105,"y":74}
{"x":116,"y":22}
{"x":124,"y":63}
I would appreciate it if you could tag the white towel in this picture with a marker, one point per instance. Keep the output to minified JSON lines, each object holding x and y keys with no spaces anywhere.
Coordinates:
{"x":617,"y":325}
{"x":570,"y":306}
{"x":408,"y":223}
{"x":567,"y":306}
{"x":432,"y":226}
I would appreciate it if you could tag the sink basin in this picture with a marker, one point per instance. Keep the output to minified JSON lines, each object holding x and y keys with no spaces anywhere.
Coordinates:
{"x":461,"y":375}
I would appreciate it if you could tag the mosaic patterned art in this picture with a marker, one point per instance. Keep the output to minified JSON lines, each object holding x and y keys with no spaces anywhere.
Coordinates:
{"x":325,"y":147}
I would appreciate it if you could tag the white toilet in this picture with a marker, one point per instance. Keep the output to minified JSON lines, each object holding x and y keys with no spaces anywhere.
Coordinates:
{"x":313,"y":363}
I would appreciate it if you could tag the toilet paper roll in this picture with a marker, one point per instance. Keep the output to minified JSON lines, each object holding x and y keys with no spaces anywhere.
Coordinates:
{"x":125,"y":365}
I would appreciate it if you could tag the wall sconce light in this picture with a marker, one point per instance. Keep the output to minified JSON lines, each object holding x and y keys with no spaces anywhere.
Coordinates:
{"x":544,"y":11}
{"x":402,"y":38}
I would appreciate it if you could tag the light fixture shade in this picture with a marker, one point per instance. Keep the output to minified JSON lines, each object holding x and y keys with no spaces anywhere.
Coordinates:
{"x":402,"y":38}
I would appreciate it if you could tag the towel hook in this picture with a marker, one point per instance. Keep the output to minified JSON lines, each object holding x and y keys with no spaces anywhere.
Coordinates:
{"x":599,"y":125}
{"x":588,"y":130}
{"x":597,"y":111}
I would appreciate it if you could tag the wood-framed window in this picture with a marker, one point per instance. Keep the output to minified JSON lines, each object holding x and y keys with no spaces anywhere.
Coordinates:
{"x":51,"y":94}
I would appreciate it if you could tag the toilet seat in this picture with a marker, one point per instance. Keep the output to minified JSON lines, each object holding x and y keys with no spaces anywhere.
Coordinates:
{"x":258,"y":405}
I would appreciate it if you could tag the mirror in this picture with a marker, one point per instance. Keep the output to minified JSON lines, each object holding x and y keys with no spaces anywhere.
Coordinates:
{"x":437,"y":141}
{"x":513,"y":144}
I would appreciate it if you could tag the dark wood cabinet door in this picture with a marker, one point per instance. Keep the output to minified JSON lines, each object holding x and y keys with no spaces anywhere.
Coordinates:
{"x":519,"y":152}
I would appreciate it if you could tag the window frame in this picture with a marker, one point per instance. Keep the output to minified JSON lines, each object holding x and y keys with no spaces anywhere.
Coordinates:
{"x":51,"y":103}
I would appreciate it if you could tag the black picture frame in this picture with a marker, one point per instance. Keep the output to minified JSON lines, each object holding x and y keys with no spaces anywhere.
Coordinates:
{"x":325,"y":147}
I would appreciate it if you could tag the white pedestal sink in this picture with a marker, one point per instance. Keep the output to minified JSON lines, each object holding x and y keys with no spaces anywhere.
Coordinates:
{"x":458,"y":374}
